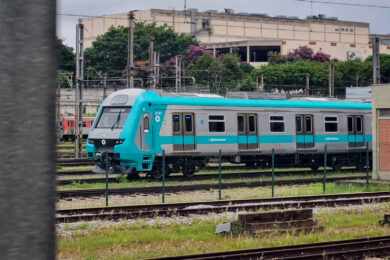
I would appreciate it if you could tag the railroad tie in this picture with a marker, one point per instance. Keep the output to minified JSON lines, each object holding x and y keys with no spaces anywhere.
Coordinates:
{"x":286,"y":221}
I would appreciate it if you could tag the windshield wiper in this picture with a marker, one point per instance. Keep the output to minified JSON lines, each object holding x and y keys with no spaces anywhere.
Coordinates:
{"x":118,"y":118}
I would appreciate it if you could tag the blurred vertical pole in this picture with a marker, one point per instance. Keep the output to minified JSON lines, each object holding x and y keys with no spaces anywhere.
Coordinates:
{"x":163,"y":169}
{"x":273,"y":172}
{"x":105,"y":86}
{"x":27,"y":129}
{"x":220,"y":174}
{"x":367,"y":164}
{"x":376,"y":63}
{"x":130,"y":50}
{"x":79,"y":93}
{"x":325,"y":168}
{"x":307,"y":88}
{"x":107,"y":171}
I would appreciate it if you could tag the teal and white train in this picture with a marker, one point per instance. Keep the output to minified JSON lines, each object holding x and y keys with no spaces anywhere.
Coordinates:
{"x":134,"y":126}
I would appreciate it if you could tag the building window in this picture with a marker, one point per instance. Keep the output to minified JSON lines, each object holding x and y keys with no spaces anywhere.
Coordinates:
{"x":277,"y":124}
{"x":333,"y":44}
{"x":216,"y":124}
{"x":384,"y":112}
{"x":331,"y":124}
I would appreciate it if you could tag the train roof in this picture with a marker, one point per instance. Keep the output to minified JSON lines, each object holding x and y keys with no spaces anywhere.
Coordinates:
{"x":267,"y":103}
{"x":193,"y":99}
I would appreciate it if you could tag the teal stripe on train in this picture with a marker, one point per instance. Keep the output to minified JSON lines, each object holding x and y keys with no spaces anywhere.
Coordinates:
{"x":263,"y":139}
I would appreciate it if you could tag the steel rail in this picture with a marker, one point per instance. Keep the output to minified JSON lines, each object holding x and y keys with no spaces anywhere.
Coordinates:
{"x":185,"y":209}
{"x":197,"y":187}
{"x":344,"y":249}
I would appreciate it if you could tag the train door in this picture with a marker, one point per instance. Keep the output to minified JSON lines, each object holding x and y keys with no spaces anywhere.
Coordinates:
{"x":146,"y":134}
{"x":355,"y":131}
{"x":304,"y":125}
{"x":183,"y":128}
{"x":247,"y":131}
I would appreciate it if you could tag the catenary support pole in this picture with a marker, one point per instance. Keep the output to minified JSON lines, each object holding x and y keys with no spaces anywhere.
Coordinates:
{"x":130,"y":50}
{"x":367,"y":164}
{"x":273,"y":172}
{"x":107,"y":170}
{"x":79,"y":92}
{"x":376,"y":63}
{"x":27,"y":129}
{"x":220,"y":174}
{"x":325,"y":168}
{"x":163,"y":169}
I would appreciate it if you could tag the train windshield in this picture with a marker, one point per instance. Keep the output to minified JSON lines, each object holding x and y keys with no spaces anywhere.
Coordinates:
{"x":113,"y":117}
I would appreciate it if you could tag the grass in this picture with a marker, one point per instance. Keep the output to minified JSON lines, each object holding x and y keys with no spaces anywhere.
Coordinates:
{"x":229,"y":194}
{"x":142,"y":240}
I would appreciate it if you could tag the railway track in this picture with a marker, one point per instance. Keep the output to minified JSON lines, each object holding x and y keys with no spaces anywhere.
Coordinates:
{"x":74,"y":162}
{"x":185,"y":209}
{"x":199,"y":177}
{"x":61,"y":194}
{"x":345,"y":249}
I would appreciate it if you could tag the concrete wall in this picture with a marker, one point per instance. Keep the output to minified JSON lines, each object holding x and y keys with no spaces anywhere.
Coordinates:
{"x":340,"y":39}
{"x":381,"y":132}
{"x":92,"y":97}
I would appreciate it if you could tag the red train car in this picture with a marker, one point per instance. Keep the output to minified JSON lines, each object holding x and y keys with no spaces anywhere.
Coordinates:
{"x":68,"y":126}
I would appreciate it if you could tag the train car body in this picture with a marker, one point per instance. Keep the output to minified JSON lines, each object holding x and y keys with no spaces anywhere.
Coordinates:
{"x":134,"y":126}
{"x":68,"y":127}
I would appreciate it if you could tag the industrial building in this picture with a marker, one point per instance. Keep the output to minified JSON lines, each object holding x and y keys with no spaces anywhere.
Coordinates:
{"x":381,"y":132}
{"x":253,"y":36}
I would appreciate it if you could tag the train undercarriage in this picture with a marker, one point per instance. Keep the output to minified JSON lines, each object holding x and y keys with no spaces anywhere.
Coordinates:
{"x":189,"y":165}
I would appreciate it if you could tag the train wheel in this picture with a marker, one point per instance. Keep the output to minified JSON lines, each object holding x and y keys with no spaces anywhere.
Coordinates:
{"x":336,"y":167}
{"x":314,"y":167}
{"x":189,"y":169}
{"x":157,"y":173}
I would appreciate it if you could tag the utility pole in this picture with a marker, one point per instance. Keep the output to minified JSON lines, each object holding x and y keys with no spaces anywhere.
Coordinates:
{"x":79,"y":92}
{"x":105,"y":86}
{"x":331,"y":78}
{"x":152,"y":62}
{"x":376,"y":63}
{"x":130,"y":50}
{"x":307,"y":88}
{"x":178,"y":65}
{"x":260,"y":83}
{"x":157,"y":68}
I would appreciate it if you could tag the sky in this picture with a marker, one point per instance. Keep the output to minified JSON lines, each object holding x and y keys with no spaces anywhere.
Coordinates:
{"x":379,"y":18}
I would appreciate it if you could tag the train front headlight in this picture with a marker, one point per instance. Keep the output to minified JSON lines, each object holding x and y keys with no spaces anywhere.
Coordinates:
{"x":119,"y":141}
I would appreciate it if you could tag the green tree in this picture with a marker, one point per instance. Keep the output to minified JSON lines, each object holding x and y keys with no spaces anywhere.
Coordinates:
{"x":65,"y":56}
{"x":220,"y":74}
{"x":108,"y":53}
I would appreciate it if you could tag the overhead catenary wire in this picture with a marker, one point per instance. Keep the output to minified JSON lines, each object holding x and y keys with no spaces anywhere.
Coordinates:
{"x":322,"y":2}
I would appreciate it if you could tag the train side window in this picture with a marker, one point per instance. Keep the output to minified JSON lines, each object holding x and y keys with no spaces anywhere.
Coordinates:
{"x":359,"y":124}
{"x":146,"y":124}
{"x":188,"y":123}
{"x":331,"y":124}
{"x":216,"y":124}
{"x":176,"y":123}
{"x":277,"y":124}
{"x":252,"y":124}
{"x":309,"y":124}
{"x":298,"y":124}
{"x":241,"y":124}
{"x":350,"y":124}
